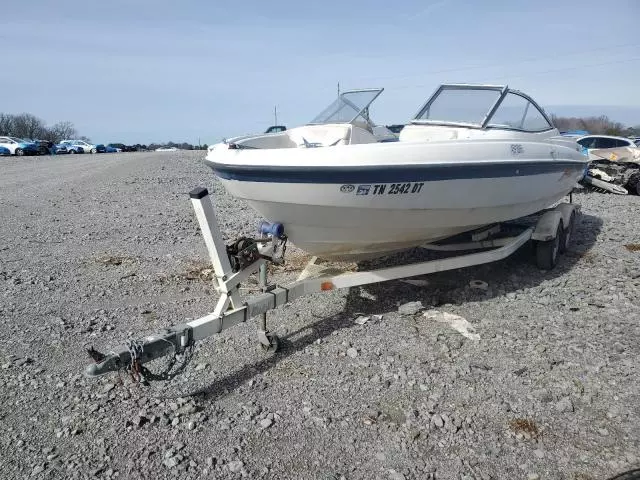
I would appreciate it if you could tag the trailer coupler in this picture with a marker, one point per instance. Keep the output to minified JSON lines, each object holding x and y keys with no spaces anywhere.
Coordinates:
{"x":174,"y":341}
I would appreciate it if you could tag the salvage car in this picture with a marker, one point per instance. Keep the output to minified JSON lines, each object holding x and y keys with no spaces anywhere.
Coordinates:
{"x":59,"y":149}
{"x":123,"y":148}
{"x":18,"y":146}
{"x":80,"y":146}
{"x":600,"y":142}
{"x":45,"y":147}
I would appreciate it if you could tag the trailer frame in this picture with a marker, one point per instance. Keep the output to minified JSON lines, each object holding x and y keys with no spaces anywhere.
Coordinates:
{"x":234,"y":264}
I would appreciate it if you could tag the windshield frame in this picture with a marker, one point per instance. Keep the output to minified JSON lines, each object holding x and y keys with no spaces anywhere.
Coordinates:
{"x":362,"y":112}
{"x":484,"y":124}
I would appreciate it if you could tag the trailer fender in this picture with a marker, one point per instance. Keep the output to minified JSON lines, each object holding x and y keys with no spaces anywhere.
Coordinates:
{"x":547,"y":226}
{"x":566,"y":209}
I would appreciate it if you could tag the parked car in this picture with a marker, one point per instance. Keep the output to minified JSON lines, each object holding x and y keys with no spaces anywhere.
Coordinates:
{"x":80,"y":146}
{"x":110,"y":149}
{"x":593,"y":142}
{"x":275,"y":129}
{"x":72,"y":146}
{"x":45,"y":147}
{"x":5,"y":151}
{"x":124,"y":148}
{"x":574,"y":133}
{"x":396,"y":128}
{"x":18,"y":146}
{"x":59,"y":149}
{"x":166,"y":149}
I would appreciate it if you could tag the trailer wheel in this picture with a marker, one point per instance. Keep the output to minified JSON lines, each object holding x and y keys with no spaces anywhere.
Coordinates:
{"x":633,"y":184}
{"x":630,"y":475}
{"x":274,"y":343}
{"x":567,"y":233}
{"x":547,"y":250}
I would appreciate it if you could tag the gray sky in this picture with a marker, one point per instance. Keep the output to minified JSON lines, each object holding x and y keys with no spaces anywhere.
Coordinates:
{"x":152,"y":71}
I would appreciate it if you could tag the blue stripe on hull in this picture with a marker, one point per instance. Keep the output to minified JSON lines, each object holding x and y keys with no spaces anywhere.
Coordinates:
{"x":390,"y":173}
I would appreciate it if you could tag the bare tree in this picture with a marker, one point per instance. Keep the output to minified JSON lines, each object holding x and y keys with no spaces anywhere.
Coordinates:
{"x":6,"y":124}
{"x":85,"y":139}
{"x":61,"y":131}
{"x":598,"y":125}
{"x":26,"y":125}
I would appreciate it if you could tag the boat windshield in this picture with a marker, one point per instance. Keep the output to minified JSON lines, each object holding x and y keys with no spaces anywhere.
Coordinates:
{"x":460,"y":105}
{"x":483,"y":106}
{"x":350,"y":106}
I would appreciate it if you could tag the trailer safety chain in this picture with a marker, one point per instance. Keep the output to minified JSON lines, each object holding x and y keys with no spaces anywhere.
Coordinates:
{"x":167,"y":373}
{"x":136,"y":349}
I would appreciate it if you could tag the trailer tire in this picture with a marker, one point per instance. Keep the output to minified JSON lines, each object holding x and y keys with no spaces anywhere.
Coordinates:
{"x":547,"y":251}
{"x":633,"y":184}
{"x":630,"y":475}
{"x":567,"y":233}
{"x":274,"y":343}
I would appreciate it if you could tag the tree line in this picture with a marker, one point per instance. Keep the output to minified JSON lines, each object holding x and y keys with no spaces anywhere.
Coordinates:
{"x":601,"y":125}
{"x":181,"y":146}
{"x":26,"y":125}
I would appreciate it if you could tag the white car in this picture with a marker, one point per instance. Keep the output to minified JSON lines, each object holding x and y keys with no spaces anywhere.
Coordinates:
{"x":18,"y":146}
{"x":166,"y":149}
{"x":598,"y":142}
{"x":79,"y":146}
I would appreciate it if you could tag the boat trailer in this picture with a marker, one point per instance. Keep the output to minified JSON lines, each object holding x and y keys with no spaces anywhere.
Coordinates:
{"x":233,"y":264}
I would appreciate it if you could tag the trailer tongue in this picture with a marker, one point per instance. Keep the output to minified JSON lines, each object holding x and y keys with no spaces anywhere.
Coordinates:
{"x":235,"y":263}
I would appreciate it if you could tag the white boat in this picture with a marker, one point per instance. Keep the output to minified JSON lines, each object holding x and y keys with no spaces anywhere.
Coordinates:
{"x":473,"y":155}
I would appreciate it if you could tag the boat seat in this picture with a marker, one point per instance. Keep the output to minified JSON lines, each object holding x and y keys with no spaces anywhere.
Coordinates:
{"x":329,"y":135}
{"x":320,"y":135}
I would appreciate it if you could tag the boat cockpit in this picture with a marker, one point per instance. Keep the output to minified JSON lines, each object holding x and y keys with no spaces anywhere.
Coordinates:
{"x":453,"y":112}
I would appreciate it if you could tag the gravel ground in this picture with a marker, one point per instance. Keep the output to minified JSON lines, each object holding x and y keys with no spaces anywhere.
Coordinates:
{"x":98,"y":249}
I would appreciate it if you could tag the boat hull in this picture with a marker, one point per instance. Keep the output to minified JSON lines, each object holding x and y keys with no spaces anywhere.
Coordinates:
{"x":366,"y":201}
{"x":332,"y":221}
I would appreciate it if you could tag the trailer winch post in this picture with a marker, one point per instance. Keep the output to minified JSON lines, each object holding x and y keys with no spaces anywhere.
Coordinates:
{"x":228,"y":282}
{"x":217,"y":249}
